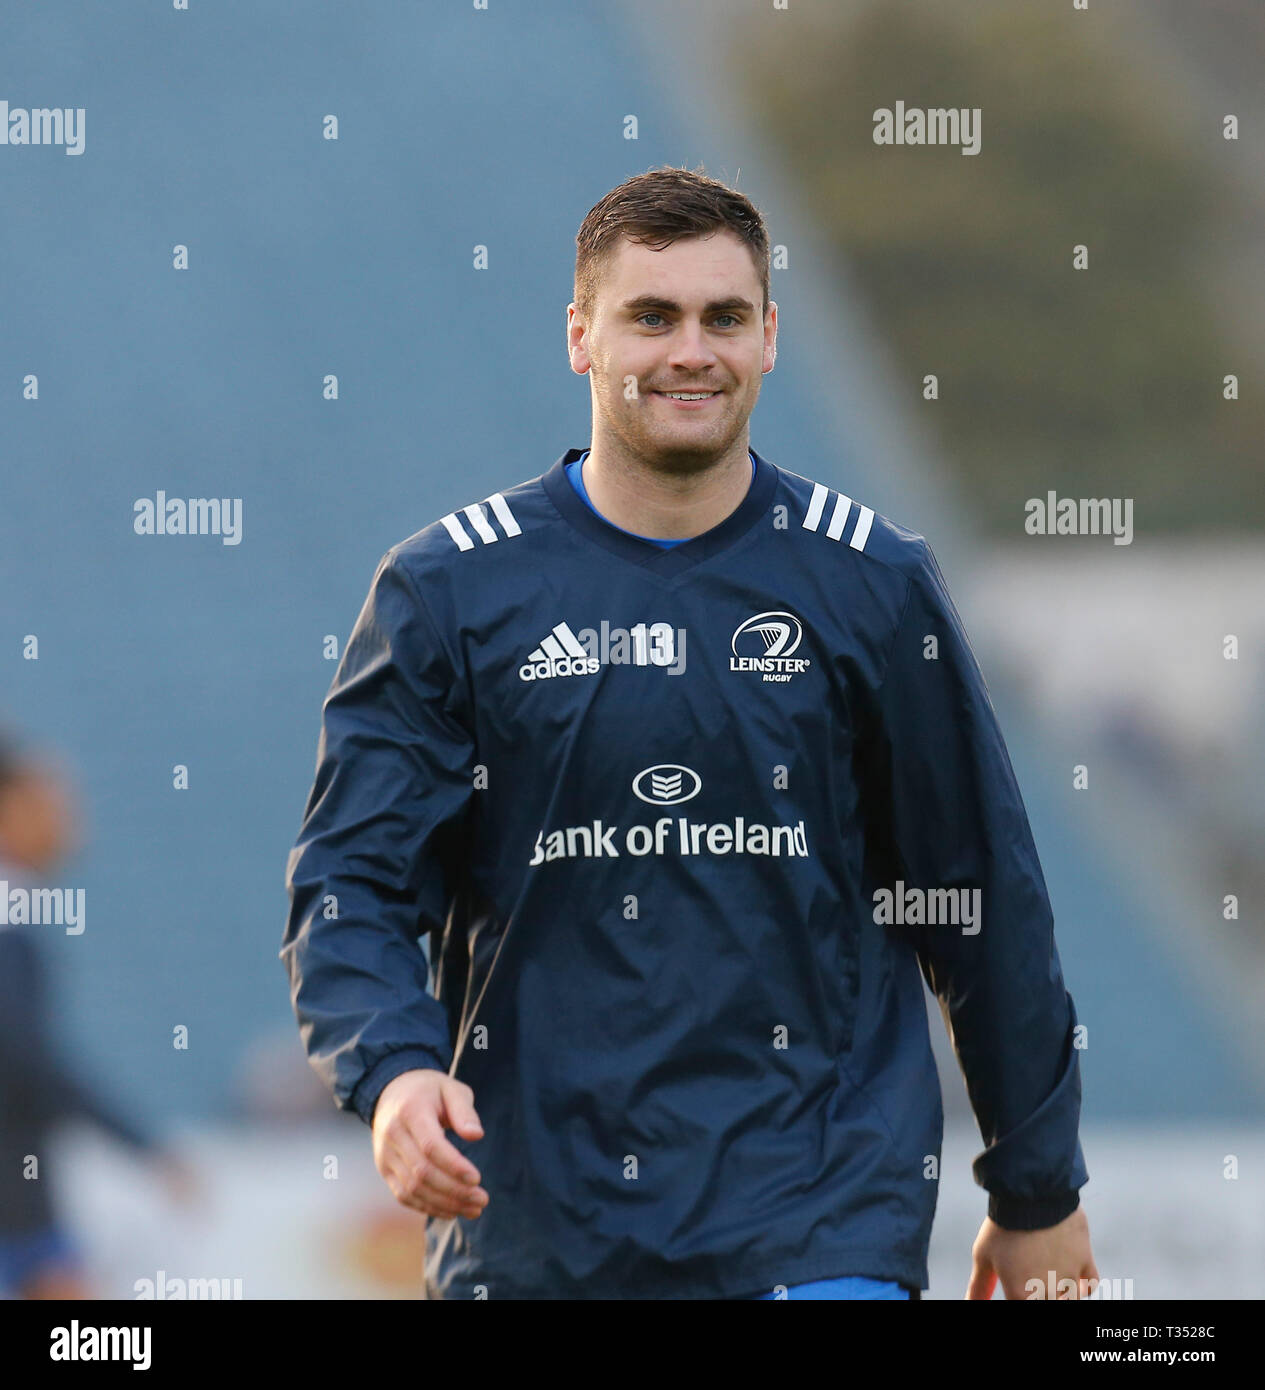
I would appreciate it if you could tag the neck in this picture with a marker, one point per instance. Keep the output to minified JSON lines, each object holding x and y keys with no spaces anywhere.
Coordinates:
{"x":651,"y":500}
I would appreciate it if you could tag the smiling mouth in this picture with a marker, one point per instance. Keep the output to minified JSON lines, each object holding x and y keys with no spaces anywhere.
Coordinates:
{"x":686,"y":395}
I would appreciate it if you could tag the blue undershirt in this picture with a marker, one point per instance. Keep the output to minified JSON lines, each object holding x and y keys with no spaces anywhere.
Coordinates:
{"x":575,"y":474}
{"x":850,"y":1286}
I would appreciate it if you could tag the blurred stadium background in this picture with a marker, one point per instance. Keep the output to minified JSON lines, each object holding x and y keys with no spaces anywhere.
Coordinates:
{"x":460,"y":127}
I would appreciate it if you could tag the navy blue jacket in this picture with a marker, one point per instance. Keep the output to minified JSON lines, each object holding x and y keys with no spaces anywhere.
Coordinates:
{"x":683,"y":831}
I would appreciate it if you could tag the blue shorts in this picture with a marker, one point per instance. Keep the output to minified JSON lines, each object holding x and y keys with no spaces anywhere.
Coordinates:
{"x":852,"y":1286}
{"x":23,"y":1257}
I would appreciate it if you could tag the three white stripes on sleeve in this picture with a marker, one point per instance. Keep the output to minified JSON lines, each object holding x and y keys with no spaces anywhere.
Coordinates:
{"x":838,"y":517}
{"x":478,"y":519}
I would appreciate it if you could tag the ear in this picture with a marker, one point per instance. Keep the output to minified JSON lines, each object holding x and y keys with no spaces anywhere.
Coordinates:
{"x":577,"y":330}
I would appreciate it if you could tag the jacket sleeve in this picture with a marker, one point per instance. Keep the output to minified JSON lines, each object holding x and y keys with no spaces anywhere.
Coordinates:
{"x":952,"y":817}
{"x":374,"y":862}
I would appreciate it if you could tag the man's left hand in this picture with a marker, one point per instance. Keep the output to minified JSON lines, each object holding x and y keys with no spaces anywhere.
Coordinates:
{"x":1052,"y":1263}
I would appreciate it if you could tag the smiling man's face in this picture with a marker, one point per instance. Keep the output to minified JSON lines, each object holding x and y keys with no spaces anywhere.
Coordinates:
{"x":686,"y":319}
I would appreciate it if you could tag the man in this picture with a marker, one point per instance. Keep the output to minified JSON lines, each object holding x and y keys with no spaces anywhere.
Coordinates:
{"x":639,"y":745}
{"x":39,"y":1259}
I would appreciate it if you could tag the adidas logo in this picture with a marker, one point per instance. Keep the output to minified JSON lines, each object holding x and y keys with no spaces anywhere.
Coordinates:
{"x":560,"y":654}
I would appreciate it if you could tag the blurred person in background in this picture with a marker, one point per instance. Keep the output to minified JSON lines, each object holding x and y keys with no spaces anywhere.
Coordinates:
{"x":38,"y":1256}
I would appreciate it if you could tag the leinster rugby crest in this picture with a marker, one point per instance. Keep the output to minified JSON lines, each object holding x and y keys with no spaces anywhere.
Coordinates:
{"x":767,"y":643}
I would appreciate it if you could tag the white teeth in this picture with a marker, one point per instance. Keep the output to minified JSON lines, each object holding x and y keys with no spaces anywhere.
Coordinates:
{"x":684,"y":396}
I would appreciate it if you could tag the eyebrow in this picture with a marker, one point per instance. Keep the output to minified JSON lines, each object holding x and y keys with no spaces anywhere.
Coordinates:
{"x":670,"y":306}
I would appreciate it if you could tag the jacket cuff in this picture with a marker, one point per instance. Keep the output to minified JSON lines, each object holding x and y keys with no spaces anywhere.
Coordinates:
{"x":1022,"y":1214}
{"x":365,"y":1097}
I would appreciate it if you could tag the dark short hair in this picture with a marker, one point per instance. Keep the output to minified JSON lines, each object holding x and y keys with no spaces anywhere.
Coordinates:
{"x":657,"y":208}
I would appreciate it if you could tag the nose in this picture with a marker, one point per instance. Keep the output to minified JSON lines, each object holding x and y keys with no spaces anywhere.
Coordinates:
{"x":688,"y":350}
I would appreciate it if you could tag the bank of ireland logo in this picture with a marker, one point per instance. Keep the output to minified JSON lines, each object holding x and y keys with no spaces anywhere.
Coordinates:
{"x":667,"y":784}
{"x":767,"y":644}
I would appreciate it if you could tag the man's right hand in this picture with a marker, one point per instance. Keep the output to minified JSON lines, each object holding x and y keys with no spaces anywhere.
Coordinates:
{"x":423,"y":1170}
